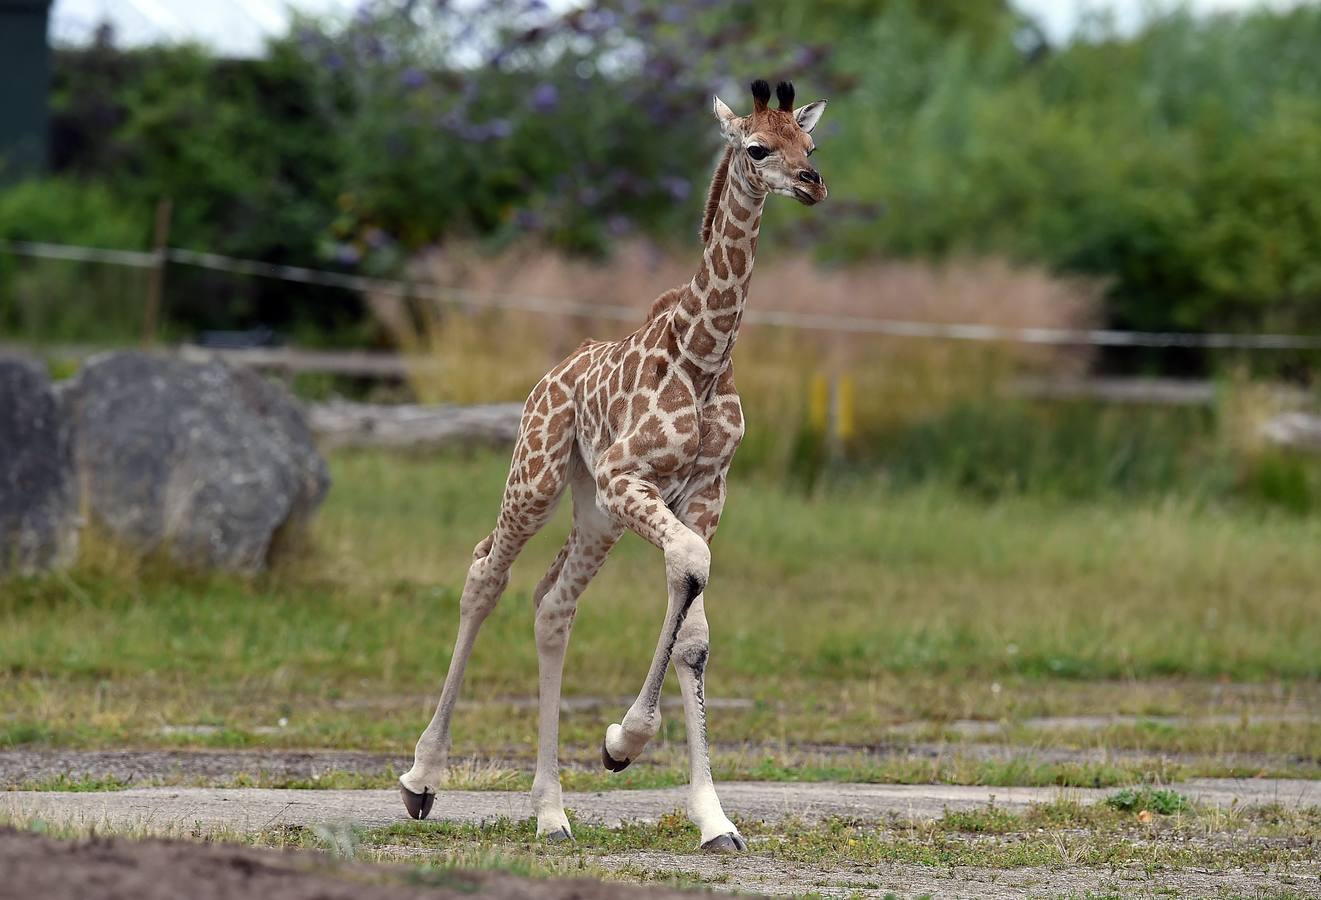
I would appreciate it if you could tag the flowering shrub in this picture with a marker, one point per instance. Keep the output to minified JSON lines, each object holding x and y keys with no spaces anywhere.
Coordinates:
{"x":1179,"y":163}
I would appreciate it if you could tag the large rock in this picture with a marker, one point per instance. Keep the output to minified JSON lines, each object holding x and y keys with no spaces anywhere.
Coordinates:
{"x":38,"y":499}
{"x":205,"y":462}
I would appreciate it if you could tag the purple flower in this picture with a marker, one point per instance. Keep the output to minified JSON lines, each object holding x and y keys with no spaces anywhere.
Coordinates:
{"x":618,"y":225}
{"x":678,"y":188}
{"x":598,"y":20}
{"x":545,"y":97}
{"x":348,"y":255}
{"x":527,"y":220}
{"x":499,"y":128}
{"x":368,"y":46}
{"x":412,"y":79}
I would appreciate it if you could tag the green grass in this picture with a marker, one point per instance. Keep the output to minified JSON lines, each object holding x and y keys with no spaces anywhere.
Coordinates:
{"x":1048,"y":835}
{"x":837,"y":615}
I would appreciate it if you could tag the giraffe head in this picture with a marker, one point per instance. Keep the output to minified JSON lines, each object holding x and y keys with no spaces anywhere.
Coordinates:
{"x":772,"y":145}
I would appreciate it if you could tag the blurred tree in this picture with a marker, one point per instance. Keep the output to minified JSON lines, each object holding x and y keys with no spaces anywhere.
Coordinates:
{"x":1179,"y":163}
{"x":807,"y":23}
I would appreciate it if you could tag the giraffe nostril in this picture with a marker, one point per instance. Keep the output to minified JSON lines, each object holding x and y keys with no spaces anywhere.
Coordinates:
{"x":812,"y":176}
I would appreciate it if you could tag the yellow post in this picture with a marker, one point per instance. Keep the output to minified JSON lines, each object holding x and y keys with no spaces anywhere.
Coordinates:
{"x":845,"y":410}
{"x":818,"y":405}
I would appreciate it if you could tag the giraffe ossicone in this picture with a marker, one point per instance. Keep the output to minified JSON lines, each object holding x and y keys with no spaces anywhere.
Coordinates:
{"x":643,"y":429}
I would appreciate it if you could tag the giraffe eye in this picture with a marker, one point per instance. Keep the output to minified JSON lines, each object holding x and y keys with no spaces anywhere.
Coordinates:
{"x":757,"y":152}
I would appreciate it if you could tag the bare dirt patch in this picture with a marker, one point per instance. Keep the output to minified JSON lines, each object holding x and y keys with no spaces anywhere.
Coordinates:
{"x":114,"y":869}
{"x":223,"y":768}
{"x":18,"y":767}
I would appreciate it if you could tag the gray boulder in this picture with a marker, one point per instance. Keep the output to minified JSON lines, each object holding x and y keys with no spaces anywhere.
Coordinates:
{"x":38,"y":496}
{"x":205,"y":462}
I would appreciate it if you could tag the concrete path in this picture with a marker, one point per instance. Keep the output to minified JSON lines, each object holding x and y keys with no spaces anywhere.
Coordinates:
{"x":251,"y":809}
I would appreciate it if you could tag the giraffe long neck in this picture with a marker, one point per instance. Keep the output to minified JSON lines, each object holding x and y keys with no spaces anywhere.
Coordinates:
{"x":707,"y":316}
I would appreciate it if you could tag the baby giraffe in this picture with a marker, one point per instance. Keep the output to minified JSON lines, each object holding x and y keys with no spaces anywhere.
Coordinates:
{"x":644,"y":429}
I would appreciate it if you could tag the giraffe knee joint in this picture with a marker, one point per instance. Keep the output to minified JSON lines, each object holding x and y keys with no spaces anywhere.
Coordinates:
{"x":689,"y":562}
{"x":693,"y":586}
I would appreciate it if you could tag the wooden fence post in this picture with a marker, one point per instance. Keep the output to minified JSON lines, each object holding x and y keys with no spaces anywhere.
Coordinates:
{"x":156,"y":276}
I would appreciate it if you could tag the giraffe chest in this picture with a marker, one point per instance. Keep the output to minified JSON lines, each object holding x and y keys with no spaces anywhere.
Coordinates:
{"x":662,"y":424}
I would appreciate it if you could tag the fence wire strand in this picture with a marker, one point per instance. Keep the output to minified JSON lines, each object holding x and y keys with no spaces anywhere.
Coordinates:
{"x":1099,"y":337}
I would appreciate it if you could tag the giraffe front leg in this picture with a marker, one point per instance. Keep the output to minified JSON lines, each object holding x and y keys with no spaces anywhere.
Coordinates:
{"x":637,"y":504}
{"x":691,"y":652}
{"x":719,"y":835}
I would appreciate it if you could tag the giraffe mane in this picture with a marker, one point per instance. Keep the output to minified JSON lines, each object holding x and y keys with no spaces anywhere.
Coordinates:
{"x":713,"y":195}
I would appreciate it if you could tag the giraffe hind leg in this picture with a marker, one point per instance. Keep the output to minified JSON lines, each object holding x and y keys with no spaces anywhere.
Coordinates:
{"x":537,"y":479}
{"x":556,"y":604}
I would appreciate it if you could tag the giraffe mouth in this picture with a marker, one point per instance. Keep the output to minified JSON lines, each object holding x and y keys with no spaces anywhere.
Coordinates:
{"x":805,"y":198}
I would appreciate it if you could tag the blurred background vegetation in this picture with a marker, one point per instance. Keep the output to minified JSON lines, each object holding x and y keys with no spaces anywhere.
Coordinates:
{"x":1163,"y":179}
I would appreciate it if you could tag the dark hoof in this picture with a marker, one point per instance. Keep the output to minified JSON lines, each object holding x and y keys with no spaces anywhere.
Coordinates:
{"x":726,"y":843}
{"x":610,"y":762}
{"x":418,"y":805}
{"x":558,"y":836}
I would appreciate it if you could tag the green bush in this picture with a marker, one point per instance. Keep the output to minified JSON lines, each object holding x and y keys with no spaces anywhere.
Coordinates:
{"x":1069,"y":450}
{"x":1175,"y":163}
{"x":63,"y":209}
{"x":45,"y":300}
{"x":1158,"y":800}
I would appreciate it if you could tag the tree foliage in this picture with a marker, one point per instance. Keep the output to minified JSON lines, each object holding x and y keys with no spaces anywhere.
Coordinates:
{"x":1182,"y":163}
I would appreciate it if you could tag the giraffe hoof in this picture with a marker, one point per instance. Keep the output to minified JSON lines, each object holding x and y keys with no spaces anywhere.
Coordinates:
{"x":726,"y":843}
{"x":610,"y":762}
{"x":418,"y":805}
{"x":558,"y":836}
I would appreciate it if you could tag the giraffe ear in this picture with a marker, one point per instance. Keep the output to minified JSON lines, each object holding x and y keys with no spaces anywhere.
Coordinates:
{"x":807,"y":116}
{"x":730,"y":124}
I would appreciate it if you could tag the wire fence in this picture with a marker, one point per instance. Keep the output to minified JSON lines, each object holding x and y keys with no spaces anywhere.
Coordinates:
{"x":843,"y":324}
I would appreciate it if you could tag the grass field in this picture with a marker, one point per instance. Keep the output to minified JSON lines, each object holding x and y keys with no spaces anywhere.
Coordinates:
{"x":860,"y":633}
{"x":835,"y":618}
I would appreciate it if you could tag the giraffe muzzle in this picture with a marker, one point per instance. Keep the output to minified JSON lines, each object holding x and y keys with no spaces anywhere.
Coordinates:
{"x":810,"y":196}
{"x":809,"y":189}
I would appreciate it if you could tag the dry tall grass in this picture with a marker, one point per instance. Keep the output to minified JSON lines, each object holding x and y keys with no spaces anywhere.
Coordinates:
{"x":485,"y":355}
